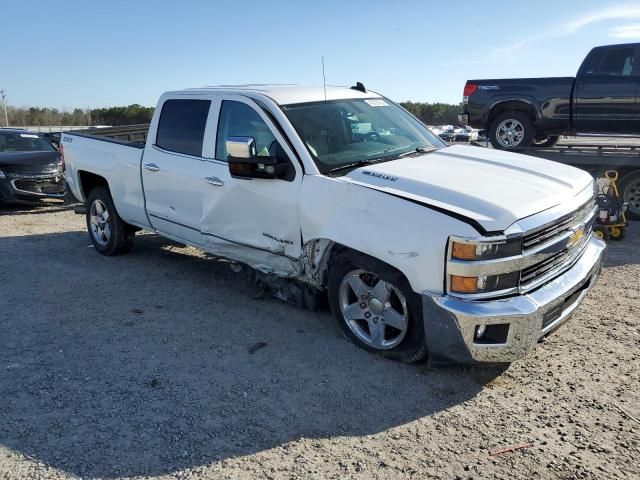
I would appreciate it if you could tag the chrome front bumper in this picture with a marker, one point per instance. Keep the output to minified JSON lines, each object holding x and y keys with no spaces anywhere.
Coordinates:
{"x":451,"y":323}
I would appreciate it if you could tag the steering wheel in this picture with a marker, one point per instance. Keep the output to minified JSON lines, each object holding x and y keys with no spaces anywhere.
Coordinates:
{"x":371,"y":137}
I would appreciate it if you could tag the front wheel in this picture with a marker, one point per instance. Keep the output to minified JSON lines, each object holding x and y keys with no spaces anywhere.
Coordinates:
{"x":376,"y":308}
{"x":511,"y":130}
{"x":109,"y":234}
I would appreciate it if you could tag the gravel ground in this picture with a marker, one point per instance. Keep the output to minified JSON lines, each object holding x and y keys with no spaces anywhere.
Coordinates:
{"x":163,"y":363}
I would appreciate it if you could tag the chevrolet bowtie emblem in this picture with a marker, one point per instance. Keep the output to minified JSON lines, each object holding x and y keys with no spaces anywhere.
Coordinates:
{"x":575,"y":237}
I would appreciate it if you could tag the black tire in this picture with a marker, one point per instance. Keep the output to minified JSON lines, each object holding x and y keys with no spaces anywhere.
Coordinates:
{"x":601,"y":232}
{"x":546,"y":142}
{"x":121,"y":234}
{"x":629,"y":188}
{"x":523,"y":119}
{"x":413,"y":346}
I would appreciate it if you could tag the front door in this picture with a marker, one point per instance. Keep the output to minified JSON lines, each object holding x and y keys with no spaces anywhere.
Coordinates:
{"x":253,"y":220}
{"x":606,"y":97}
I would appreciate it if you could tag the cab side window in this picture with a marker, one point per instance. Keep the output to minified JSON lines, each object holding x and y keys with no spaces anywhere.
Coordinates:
{"x":181,"y":126}
{"x":238,"y":119}
{"x":618,"y":62}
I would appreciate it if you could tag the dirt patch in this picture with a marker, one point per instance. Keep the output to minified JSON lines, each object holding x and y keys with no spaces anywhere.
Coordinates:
{"x":162,"y":363}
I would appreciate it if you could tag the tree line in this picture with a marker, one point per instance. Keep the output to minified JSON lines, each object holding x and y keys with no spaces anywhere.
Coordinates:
{"x":429,"y":113}
{"x":434,"y":113}
{"x":43,"y":117}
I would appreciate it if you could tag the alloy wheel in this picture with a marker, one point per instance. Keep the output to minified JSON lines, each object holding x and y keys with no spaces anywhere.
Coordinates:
{"x":374,"y":310}
{"x":510,"y":133}
{"x":100,"y":222}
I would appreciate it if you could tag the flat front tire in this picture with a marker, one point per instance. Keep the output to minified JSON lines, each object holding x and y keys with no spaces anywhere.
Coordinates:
{"x":376,"y":308}
{"x":109,"y":234}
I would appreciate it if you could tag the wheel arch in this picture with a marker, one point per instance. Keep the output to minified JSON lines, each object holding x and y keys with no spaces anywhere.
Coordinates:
{"x":87,"y":181}
{"x":518,"y":105}
{"x":321,"y":253}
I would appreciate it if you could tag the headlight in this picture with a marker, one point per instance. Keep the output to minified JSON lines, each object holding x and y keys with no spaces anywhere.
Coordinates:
{"x":2,"y":175}
{"x":485,"y":250}
{"x":472,"y":267}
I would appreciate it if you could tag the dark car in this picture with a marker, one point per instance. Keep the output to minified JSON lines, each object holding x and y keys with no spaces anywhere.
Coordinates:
{"x":447,"y":135}
{"x":603,"y":98}
{"x":30,"y":167}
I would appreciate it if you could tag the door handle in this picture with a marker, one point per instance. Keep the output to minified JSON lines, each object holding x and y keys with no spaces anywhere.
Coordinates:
{"x":214,"y":181}
{"x":152,"y":167}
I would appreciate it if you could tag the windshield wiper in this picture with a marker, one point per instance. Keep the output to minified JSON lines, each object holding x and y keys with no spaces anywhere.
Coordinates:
{"x":348,"y":166}
{"x":411,"y":153}
{"x":419,"y":151}
{"x":371,"y":161}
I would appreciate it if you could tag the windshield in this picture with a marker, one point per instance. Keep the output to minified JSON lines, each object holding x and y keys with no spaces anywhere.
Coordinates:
{"x":24,"y":142}
{"x":344,"y":132}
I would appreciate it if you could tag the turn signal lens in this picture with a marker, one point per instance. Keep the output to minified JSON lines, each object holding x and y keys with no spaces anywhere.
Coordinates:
{"x":463,"y":251}
{"x":464,"y":284}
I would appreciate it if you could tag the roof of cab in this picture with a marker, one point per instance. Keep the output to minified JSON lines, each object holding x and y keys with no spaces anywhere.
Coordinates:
{"x":286,"y":94}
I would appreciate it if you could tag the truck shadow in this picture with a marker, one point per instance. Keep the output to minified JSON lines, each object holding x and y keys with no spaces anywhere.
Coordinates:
{"x":161,"y":360}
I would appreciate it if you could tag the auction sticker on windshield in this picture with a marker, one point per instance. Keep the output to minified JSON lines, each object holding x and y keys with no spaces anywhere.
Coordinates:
{"x":376,"y":102}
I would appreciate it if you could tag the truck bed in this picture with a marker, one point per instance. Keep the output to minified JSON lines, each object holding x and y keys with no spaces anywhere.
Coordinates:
{"x":131,"y":135}
{"x":551,"y":96}
{"x":107,"y":154}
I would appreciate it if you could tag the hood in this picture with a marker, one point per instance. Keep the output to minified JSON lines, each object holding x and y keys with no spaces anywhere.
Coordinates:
{"x":492,"y":187}
{"x":32,"y":162}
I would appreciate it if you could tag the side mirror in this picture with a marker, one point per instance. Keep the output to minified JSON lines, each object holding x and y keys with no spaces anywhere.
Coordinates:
{"x":245,"y":163}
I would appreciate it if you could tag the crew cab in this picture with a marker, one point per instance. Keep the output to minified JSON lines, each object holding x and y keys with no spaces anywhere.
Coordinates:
{"x":458,"y":253}
{"x":603,"y":98}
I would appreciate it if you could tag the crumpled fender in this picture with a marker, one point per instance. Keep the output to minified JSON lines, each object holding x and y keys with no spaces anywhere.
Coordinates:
{"x":406,"y":235}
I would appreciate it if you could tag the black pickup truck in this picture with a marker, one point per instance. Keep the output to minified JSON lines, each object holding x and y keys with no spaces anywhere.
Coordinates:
{"x":603,"y":98}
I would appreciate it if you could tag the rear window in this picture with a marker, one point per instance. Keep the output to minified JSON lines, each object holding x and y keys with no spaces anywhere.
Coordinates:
{"x":181,"y":126}
{"x":618,"y":62}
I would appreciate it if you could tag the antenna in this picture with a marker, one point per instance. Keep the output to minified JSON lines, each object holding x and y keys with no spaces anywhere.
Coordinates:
{"x":326,"y":114}
{"x":324,"y":83}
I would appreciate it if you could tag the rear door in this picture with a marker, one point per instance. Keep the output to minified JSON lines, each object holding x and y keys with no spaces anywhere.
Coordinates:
{"x":175,"y":167}
{"x":606,"y":94}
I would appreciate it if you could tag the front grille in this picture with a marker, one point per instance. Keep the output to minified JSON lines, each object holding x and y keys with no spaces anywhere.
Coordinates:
{"x":558,"y":227}
{"x":41,"y":187}
{"x":556,"y":263}
{"x":539,"y":269}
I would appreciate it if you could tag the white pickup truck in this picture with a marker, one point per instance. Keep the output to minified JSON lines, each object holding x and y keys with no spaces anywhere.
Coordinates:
{"x":461,"y":254}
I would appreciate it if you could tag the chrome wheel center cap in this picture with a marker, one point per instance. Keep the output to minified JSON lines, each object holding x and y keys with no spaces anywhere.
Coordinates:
{"x":376,"y":306}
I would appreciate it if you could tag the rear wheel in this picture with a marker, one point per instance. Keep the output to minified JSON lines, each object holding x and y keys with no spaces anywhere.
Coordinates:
{"x":630,"y":191}
{"x":376,"y":307}
{"x":109,"y":234}
{"x":511,"y":130}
